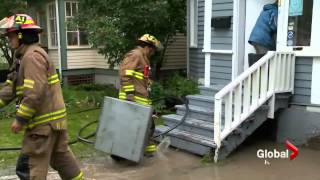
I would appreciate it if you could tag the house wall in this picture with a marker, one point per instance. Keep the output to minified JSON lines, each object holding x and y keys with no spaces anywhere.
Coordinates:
{"x":302,"y":83}
{"x":81,"y":59}
{"x":176,"y":54}
{"x":221,"y":64}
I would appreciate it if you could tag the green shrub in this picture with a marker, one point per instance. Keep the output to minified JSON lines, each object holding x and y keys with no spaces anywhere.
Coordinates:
{"x":179,"y":86}
{"x":87,"y":94}
{"x":171,"y":92}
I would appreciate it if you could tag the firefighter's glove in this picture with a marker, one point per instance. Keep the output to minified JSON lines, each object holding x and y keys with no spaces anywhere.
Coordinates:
{"x":16,"y":127}
{"x":130,"y":97}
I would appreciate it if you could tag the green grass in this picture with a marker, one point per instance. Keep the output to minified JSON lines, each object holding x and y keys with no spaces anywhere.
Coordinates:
{"x":77,"y":99}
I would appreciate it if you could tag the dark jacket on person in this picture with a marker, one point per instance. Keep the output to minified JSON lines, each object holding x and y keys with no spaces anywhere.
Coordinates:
{"x":266,"y":27}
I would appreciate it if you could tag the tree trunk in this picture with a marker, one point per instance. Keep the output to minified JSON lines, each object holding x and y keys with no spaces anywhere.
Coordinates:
{"x":159,"y":63}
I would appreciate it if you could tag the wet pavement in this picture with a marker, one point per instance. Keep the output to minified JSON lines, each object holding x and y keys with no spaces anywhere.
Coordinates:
{"x":177,"y":165}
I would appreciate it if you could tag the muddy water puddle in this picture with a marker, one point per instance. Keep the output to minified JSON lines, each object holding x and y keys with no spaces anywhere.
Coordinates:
{"x":241,"y":165}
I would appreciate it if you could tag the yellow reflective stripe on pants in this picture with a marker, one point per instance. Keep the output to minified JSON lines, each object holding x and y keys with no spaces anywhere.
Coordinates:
{"x":9,"y":82}
{"x":52,"y":118}
{"x":53,"y":77}
{"x":19,"y":88}
{"x":50,"y":114}
{"x":151,"y":148}
{"x":79,"y":177}
{"x":26,"y":109}
{"x":24,"y":114}
{"x":54,"y":81}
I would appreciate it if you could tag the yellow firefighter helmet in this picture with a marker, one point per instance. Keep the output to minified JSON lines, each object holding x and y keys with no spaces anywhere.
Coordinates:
{"x":151,"y":40}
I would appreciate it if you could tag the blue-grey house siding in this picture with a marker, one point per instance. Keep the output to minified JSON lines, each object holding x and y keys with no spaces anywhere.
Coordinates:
{"x":302,"y":82}
{"x":221,"y":65}
{"x":196,"y":57}
{"x":221,"y":39}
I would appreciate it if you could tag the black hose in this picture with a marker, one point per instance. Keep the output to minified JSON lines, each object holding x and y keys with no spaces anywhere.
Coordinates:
{"x":85,"y":139}
{"x":186,"y":102}
{"x":70,"y":142}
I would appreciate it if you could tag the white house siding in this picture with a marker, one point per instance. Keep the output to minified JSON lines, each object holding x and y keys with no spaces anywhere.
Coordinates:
{"x":85,"y":58}
{"x":81,"y":59}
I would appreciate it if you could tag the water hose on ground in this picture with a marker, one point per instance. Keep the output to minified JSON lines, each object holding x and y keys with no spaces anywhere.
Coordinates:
{"x":70,"y":142}
{"x":86,"y":138}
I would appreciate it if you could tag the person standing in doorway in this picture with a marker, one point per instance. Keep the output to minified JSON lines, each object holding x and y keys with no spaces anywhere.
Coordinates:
{"x":263,"y":36}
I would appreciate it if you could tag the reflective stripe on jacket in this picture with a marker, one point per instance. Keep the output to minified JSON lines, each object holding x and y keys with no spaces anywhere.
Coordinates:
{"x":133,"y":81}
{"x":36,"y":85}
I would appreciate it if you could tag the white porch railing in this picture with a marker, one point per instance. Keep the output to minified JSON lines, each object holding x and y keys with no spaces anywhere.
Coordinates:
{"x":273,"y":73}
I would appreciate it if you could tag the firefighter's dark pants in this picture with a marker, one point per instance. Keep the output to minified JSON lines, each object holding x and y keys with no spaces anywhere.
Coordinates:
{"x":42,"y":146}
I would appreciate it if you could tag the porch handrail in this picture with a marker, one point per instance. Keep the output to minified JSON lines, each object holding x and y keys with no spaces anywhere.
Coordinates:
{"x":273,"y":73}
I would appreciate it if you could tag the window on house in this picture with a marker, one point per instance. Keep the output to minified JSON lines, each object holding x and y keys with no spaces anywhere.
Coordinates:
{"x":75,"y":35}
{"x":52,"y":25}
{"x":193,"y":35}
{"x":300,"y":23}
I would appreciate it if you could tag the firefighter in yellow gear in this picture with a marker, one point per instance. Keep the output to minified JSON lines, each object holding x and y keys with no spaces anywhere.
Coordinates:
{"x":134,"y":74}
{"x":35,"y":85}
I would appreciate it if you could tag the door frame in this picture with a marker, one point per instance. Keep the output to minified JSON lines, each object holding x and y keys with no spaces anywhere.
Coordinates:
{"x":238,"y":37}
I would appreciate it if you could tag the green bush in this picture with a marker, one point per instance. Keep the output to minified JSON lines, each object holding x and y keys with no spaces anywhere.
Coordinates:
{"x":171,"y":92}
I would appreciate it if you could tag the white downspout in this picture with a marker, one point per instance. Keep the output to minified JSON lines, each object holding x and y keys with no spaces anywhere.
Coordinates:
{"x":58,"y":39}
{"x":207,"y":41}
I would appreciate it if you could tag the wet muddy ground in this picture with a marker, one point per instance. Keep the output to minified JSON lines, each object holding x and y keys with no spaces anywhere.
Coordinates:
{"x":241,"y":165}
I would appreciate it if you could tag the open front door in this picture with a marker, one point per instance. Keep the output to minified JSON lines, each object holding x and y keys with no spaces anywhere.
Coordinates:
{"x":253,"y":10}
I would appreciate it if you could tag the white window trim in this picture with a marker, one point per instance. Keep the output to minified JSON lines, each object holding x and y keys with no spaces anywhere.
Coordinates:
{"x":78,"y":31}
{"x":193,"y":28}
{"x":50,"y":47}
{"x":39,"y":24}
{"x":313,"y":49}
